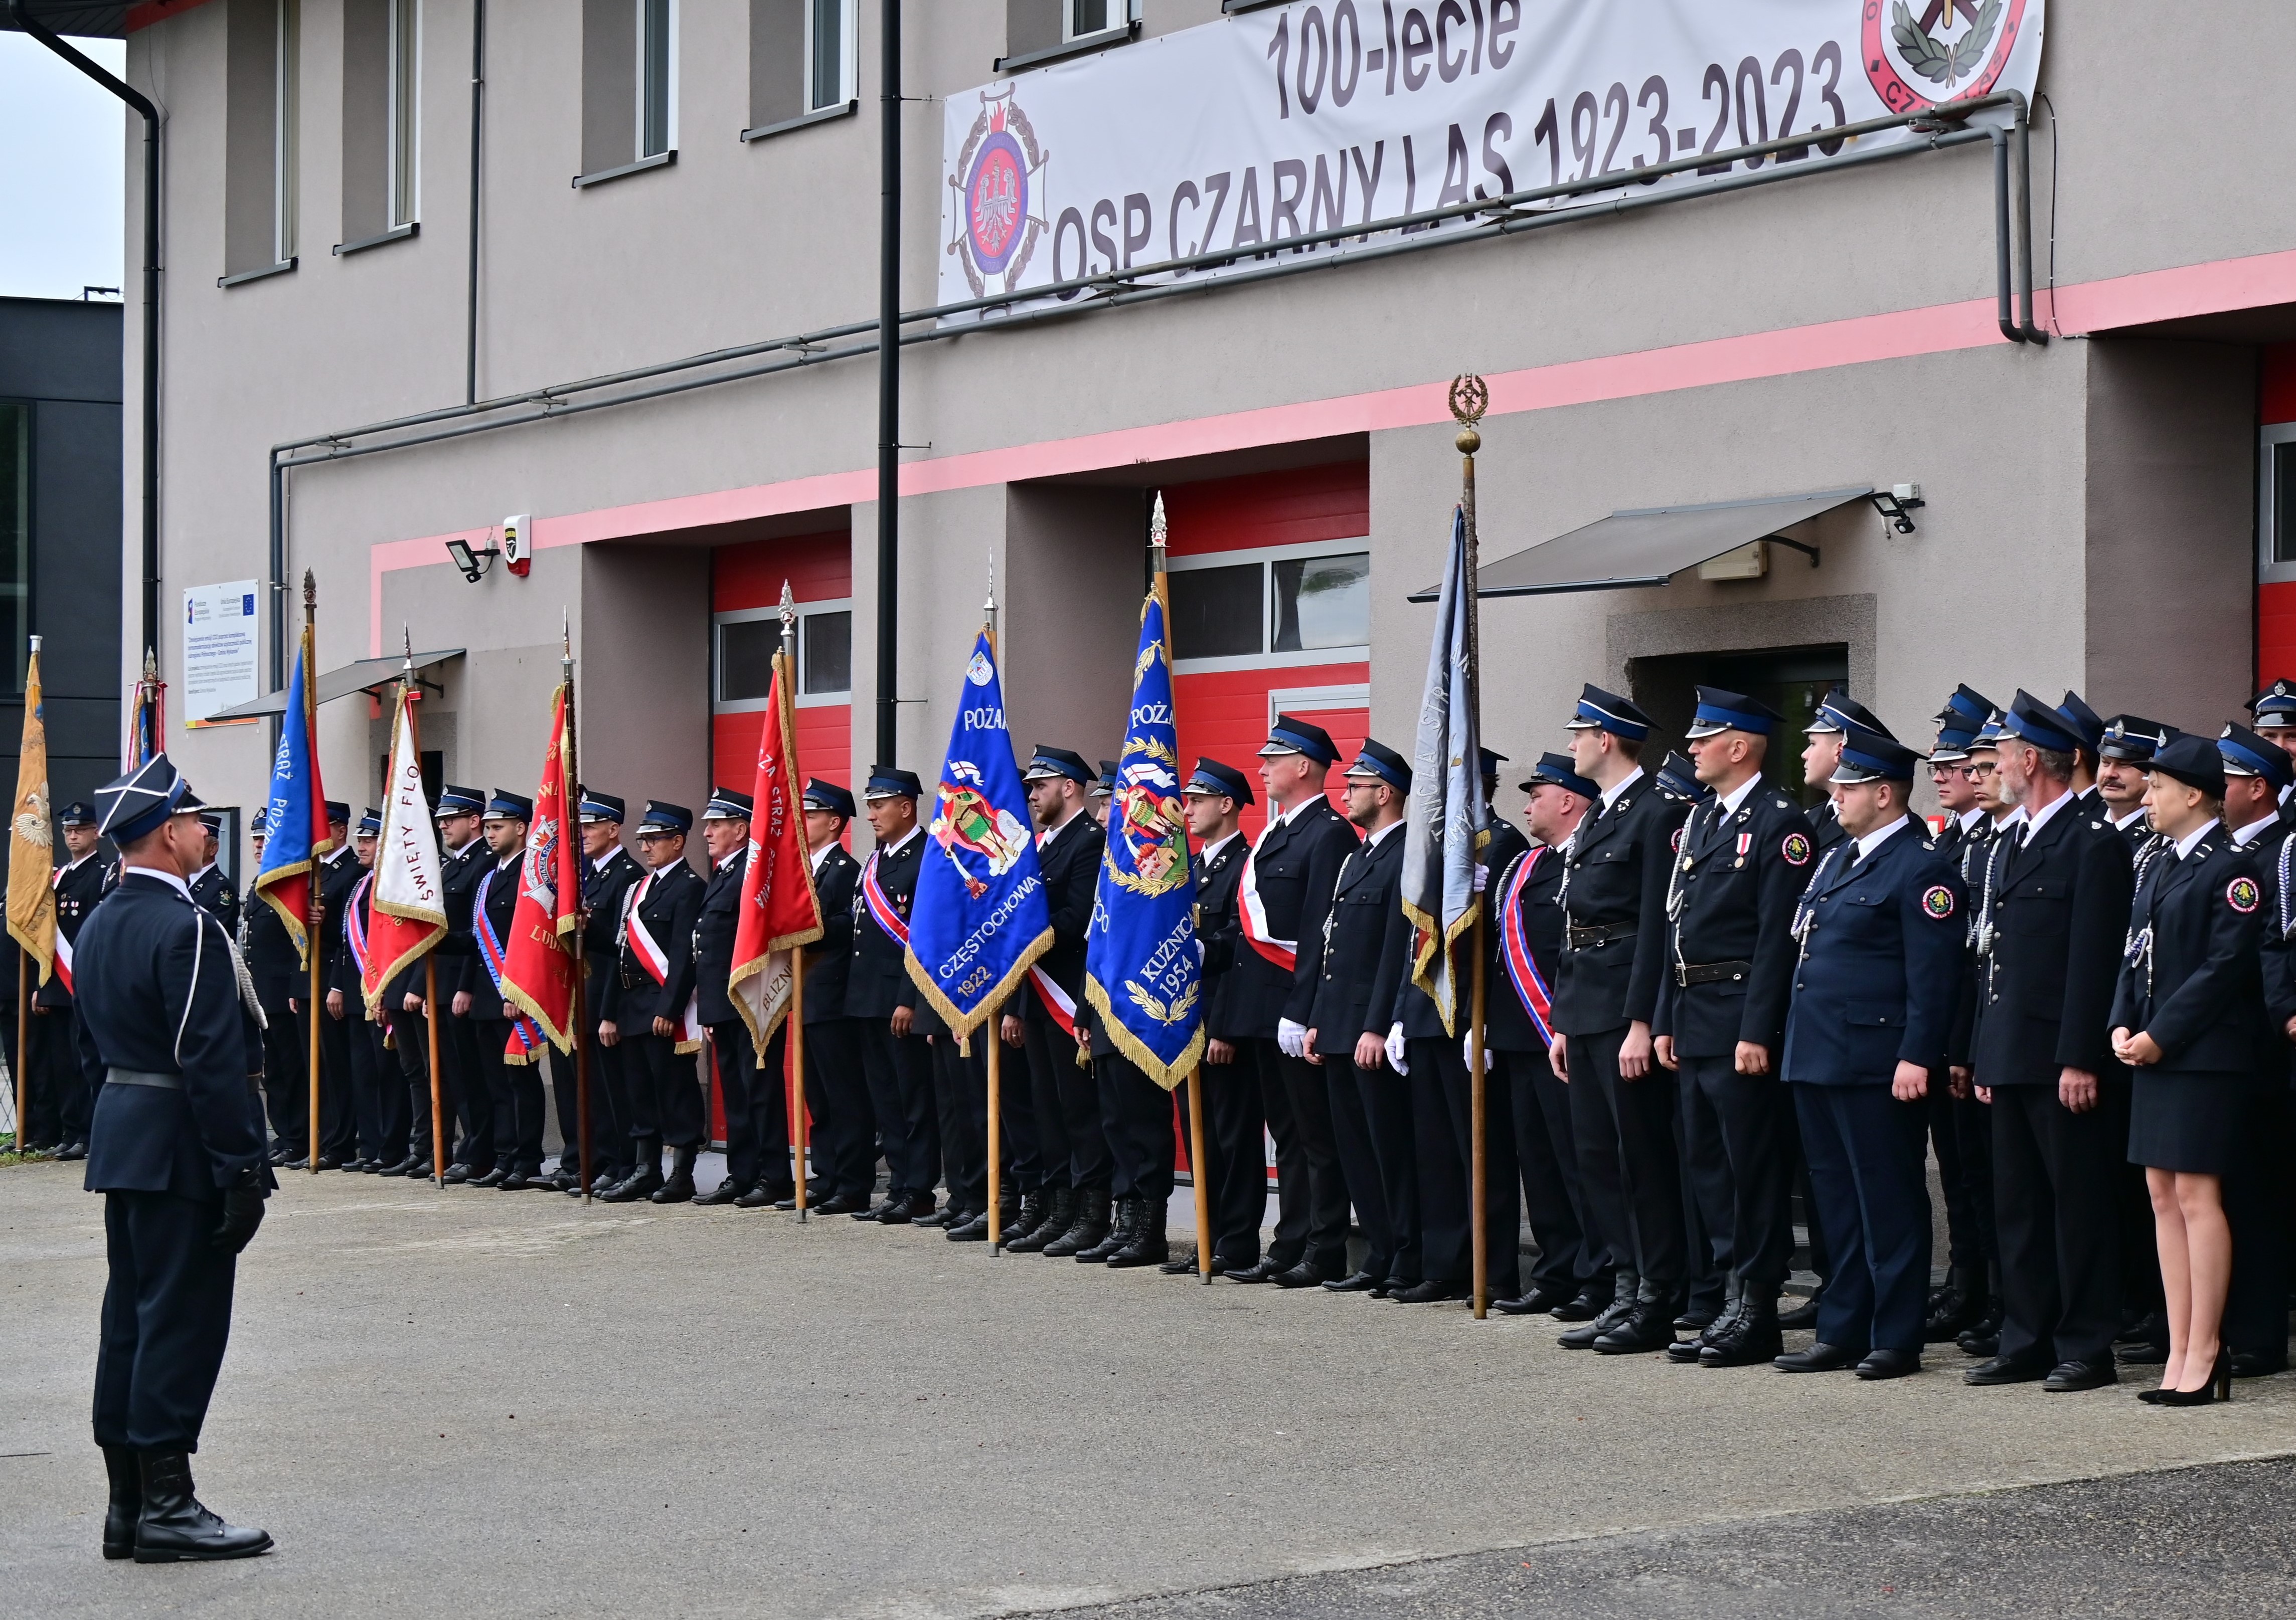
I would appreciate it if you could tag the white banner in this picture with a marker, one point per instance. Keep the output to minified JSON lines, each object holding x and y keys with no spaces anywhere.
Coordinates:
{"x":1304,"y":118}
{"x":219,"y":651}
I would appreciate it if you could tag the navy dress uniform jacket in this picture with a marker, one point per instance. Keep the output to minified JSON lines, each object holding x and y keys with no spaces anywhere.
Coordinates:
{"x":1879,"y":970}
{"x":878,"y":980}
{"x":669,"y":907}
{"x":1507,"y":1025}
{"x":1296,"y":866}
{"x":459,"y":967}
{"x":1069,"y":861}
{"x":220,"y":897}
{"x":829,"y":960}
{"x":713,"y":939}
{"x":1355,"y":957}
{"x":603,"y":886}
{"x":1220,"y":932}
{"x":2060,"y":905}
{"x":1616,"y":868}
{"x":1735,"y":880}
{"x":2190,"y":978}
{"x":78,"y":889}
{"x":158,"y":995}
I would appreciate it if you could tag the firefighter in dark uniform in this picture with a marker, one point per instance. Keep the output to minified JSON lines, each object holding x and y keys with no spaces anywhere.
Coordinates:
{"x":1705,"y":1170}
{"x":1622,"y":1106}
{"x":1283,"y":895}
{"x":1574,"y":1278}
{"x":1236,"y":1165}
{"x":1875,"y":990}
{"x":608,"y":872}
{"x":2275,"y":709}
{"x":514,"y":1087}
{"x":1067,"y":1133}
{"x":844,"y":1131}
{"x":881,"y":996}
{"x":2060,"y":888}
{"x":645,"y":1008}
{"x":1744,"y":856}
{"x":1356,"y":963}
{"x":170,"y":1043}
{"x":755,"y":1098}
{"x":275,"y":964}
{"x":464,"y":859}
{"x":211,"y":886}
{"x":335,"y":874}
{"x":378,"y":1100}
{"x":59,"y":1095}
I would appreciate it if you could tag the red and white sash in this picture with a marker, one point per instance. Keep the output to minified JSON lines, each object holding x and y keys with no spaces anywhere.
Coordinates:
{"x":1514,"y":950}
{"x":880,"y":906}
{"x":1252,"y":910}
{"x":655,"y":960}
{"x":1057,"y":1002}
{"x":355,"y":924}
{"x":526,"y":1037}
{"x":64,"y":956}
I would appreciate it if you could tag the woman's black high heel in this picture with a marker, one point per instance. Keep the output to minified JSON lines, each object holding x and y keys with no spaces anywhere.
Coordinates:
{"x":2217,"y":1388}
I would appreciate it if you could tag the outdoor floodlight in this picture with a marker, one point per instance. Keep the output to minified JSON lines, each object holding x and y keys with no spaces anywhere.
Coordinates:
{"x":473,"y":564}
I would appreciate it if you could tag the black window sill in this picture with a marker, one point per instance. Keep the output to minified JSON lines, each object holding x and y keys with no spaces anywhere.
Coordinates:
{"x":1233,"y":6}
{"x":660,"y":160}
{"x":1121,"y":34}
{"x":819,"y":115}
{"x":241,"y":278}
{"x":396,"y":233}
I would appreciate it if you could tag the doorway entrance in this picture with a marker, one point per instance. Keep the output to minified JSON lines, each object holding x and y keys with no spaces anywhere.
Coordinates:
{"x":1792,"y":680}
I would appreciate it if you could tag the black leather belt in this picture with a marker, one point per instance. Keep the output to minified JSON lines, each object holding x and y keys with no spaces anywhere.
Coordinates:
{"x":631,"y":981}
{"x":1711,"y":972}
{"x":1577,"y":939}
{"x":137,"y":1077}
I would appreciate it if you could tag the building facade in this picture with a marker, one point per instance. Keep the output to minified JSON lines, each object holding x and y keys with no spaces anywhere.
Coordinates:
{"x":657,"y":180}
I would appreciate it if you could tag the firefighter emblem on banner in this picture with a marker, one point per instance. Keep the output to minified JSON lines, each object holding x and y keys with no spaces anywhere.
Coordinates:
{"x":993,"y":231}
{"x":1947,"y":51}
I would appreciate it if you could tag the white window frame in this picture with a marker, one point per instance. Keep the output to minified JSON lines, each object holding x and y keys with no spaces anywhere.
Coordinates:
{"x":1267,"y":557}
{"x":285,"y":114}
{"x":1122,"y":14}
{"x":750,"y":616}
{"x":2269,"y":500}
{"x":1316,"y":699}
{"x":848,"y":60}
{"x":669,"y":83}
{"x":404,"y":90}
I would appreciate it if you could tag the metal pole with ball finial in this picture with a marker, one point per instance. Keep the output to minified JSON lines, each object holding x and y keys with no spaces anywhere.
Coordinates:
{"x":995,"y":1028}
{"x":796,"y":1019}
{"x":318,"y":899}
{"x":1470,"y":399}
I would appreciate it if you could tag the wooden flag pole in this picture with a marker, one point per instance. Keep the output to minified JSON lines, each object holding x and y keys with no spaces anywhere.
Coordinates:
{"x":993,"y":1026}
{"x":318,"y":901}
{"x":571,"y":827}
{"x":23,"y":1069}
{"x":1470,"y":399}
{"x":797,"y":1117}
{"x":408,"y":697}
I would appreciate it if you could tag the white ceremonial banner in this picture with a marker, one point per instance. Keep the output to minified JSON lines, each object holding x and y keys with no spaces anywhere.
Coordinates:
{"x":409,"y":874}
{"x":1309,"y":117}
{"x":219,"y":651}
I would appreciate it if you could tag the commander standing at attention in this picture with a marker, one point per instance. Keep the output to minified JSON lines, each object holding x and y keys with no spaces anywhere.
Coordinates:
{"x":170,"y":1042}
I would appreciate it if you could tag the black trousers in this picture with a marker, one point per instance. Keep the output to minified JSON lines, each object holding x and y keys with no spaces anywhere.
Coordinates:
{"x":756,"y":1098}
{"x":960,"y":1107}
{"x":1443,"y":1119}
{"x":1706,"y":1194}
{"x":338,"y":1088}
{"x":1546,"y":1156}
{"x":1738,"y":1120}
{"x":1065,"y":1101}
{"x":167,"y":1318}
{"x":2256,"y":1203}
{"x":59,"y":1103}
{"x":2056,"y":1194}
{"x":286,"y":1087}
{"x":899,"y":1070}
{"x":410,"y":1034}
{"x":1311,"y":1194}
{"x":458,"y":1050}
{"x":378,"y":1090}
{"x":843,"y":1134}
{"x":610,"y":1123}
{"x":1136,"y":1115}
{"x":515,"y":1090}
{"x":1235,"y":1157}
{"x":1638,"y":1117}
{"x":666,"y":1092}
{"x":1371,"y":1127}
{"x":1970,"y":1242}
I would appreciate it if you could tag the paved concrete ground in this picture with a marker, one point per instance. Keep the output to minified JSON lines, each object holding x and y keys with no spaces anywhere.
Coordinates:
{"x":480,"y":1402}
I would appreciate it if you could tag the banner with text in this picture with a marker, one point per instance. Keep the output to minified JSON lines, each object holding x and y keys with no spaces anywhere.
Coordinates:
{"x":1282,"y":122}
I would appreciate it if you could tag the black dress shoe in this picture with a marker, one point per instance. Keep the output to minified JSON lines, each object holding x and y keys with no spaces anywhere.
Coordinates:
{"x":328,"y":1161}
{"x":492,"y":1178}
{"x":1820,"y":1357}
{"x":760,"y":1197}
{"x":1354,"y":1283}
{"x":1262,"y":1270}
{"x":1435,"y":1290}
{"x":1300,"y":1276}
{"x":974,"y":1230}
{"x":1645,"y":1327}
{"x":1185,"y":1265}
{"x":457,"y":1175}
{"x":72,"y":1150}
{"x":1583,"y":1336}
{"x":1585,"y":1305}
{"x":642,"y":1182}
{"x":2255,"y":1364}
{"x":1803,"y":1315}
{"x":2142,"y":1355}
{"x":517,"y":1181}
{"x":400,"y":1168}
{"x":174,"y":1528}
{"x":2067,"y":1377}
{"x":1697,"y":1319}
{"x":1890,"y":1364}
{"x":2005,"y":1369}
{"x":1532,"y":1300}
{"x":725,"y":1193}
{"x":838,"y":1203}
{"x":937,"y":1217}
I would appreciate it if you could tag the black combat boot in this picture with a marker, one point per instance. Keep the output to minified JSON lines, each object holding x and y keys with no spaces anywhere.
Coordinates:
{"x":1956,"y":1305}
{"x":1686,"y":1350}
{"x":1147,"y":1245}
{"x":174,"y":1528}
{"x":1088,"y":1227}
{"x":126,"y":1505}
{"x":1751,"y":1337}
{"x":679,"y":1188}
{"x":1622,"y":1304}
{"x":1130,"y":1211}
{"x":644,"y":1179}
{"x":1024,"y":1220}
{"x":1059,"y":1212}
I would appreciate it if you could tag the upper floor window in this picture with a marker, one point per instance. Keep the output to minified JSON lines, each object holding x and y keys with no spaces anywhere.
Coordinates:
{"x":802,"y":62}
{"x":403,"y":79}
{"x":1283,"y":605}
{"x":829,"y":33}
{"x":381,"y":104}
{"x":263,"y":46}
{"x":657,"y":54}
{"x":629,"y":85}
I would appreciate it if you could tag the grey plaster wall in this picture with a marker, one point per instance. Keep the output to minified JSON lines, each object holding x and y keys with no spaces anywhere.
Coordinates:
{"x":1075,"y":565}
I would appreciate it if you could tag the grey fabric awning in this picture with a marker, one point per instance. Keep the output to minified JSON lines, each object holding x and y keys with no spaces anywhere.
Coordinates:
{"x":1648,"y":546}
{"x":368,"y":675}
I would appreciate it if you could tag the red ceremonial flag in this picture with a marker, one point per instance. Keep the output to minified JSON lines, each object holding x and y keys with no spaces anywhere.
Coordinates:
{"x":408,"y":912}
{"x":539,"y":958}
{"x":780,"y":910}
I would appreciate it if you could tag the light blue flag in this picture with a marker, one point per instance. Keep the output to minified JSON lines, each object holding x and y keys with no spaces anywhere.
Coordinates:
{"x":980,"y":916}
{"x":1143,"y":973}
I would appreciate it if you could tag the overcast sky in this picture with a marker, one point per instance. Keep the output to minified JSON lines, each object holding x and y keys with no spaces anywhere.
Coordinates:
{"x":61,"y":186}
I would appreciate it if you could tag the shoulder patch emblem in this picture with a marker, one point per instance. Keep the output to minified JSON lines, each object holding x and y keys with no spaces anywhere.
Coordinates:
{"x":1795,"y":849}
{"x":1676,"y":841}
{"x":1937,"y":900}
{"x":2242,"y":895}
{"x":1783,"y":806}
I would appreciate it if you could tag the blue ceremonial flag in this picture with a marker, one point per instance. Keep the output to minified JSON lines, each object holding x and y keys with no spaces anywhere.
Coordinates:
{"x":980,"y":916}
{"x":295,"y":815}
{"x":1143,"y":973}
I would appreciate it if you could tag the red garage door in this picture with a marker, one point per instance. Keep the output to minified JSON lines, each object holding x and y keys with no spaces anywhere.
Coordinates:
{"x":2275,"y":583}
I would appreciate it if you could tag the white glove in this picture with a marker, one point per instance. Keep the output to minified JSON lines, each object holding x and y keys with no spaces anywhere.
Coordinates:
{"x":1395,"y":1049}
{"x":1467,"y":1054}
{"x":1291,"y":1038}
{"x":1482,"y":876}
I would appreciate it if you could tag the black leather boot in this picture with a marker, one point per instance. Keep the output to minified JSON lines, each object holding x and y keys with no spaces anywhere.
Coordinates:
{"x":1147,"y":1245}
{"x":679,"y":1188}
{"x":1088,"y":1227}
{"x":1751,"y":1337}
{"x":725,"y":1192}
{"x":642,"y":1181}
{"x":126,"y":1504}
{"x":1685,"y":1350}
{"x":1622,"y":1306}
{"x":174,"y":1528}
{"x":1131,"y":1210}
{"x":1956,"y":1305}
{"x":1024,"y":1220}
{"x":1059,"y":1212}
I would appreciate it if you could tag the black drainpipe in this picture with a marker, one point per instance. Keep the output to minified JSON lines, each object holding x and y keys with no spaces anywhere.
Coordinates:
{"x":20,"y":10}
{"x":889,"y":395}
{"x":478,"y":112}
